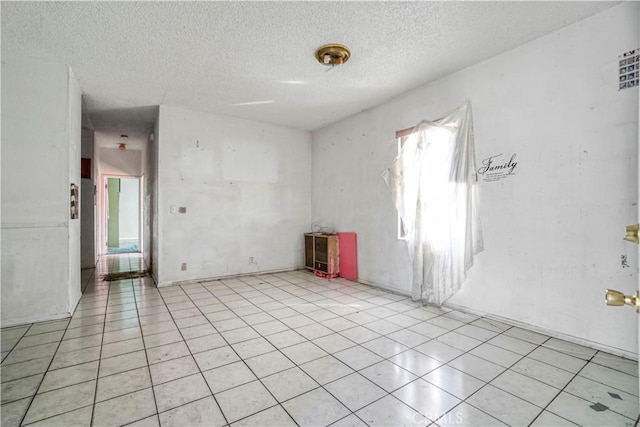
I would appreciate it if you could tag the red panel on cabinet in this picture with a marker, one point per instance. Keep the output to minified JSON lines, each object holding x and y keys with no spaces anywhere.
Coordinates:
{"x":348,"y":244}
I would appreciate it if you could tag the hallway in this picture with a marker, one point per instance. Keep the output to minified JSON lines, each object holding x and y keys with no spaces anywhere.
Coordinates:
{"x":294,"y":349}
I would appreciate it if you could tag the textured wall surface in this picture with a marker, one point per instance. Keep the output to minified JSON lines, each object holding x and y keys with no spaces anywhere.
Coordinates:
{"x":247,"y":190}
{"x":553,"y":231}
{"x":40,"y":140}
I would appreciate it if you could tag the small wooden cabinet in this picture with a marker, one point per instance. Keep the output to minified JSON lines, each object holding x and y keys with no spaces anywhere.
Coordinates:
{"x":322,"y":253}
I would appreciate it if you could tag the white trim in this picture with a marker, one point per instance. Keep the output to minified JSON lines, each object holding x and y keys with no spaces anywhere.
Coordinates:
{"x":36,"y":319}
{"x":230,"y":276}
{"x":385,"y":288}
{"x":591,"y":344}
{"x":555,"y":334}
{"x":13,"y":225}
{"x":570,"y":338}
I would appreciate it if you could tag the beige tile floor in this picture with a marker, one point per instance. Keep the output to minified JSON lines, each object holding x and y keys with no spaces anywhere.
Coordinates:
{"x":293,"y":349}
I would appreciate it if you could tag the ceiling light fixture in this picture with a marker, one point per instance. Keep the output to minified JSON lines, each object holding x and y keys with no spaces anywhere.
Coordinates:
{"x":122,"y":146}
{"x":333,"y":54}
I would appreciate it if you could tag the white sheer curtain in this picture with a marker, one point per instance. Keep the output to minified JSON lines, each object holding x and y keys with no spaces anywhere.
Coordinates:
{"x":433,"y":186}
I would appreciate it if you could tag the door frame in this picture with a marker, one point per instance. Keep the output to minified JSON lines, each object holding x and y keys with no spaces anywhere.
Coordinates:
{"x":102,"y":209}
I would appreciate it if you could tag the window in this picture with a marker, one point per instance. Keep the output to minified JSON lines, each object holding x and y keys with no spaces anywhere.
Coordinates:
{"x":432,"y":183}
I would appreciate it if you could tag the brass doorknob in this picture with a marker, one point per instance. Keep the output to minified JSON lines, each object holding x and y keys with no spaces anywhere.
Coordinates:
{"x":632,"y":233}
{"x":617,"y":298}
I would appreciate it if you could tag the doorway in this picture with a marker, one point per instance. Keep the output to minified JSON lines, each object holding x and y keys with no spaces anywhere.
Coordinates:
{"x":122,"y":213}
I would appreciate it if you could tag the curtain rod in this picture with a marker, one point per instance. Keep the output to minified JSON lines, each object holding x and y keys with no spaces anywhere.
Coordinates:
{"x":404,"y":132}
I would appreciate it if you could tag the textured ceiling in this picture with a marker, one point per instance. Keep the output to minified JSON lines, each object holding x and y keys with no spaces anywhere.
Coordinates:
{"x":214,"y":56}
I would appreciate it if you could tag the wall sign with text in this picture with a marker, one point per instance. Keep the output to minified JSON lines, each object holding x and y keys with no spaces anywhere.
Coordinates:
{"x":495,"y":168}
{"x":628,"y":71}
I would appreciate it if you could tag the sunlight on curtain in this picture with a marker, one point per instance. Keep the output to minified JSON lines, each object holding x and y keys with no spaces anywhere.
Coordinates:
{"x":432,"y":183}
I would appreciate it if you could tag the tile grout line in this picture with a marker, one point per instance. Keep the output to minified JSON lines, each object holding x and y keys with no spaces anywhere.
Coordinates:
{"x":251,"y":327}
{"x":95,"y":392}
{"x":17,"y":342}
{"x":44,"y":374}
{"x":240,"y":357}
{"x":567,"y":384}
{"x":383,"y":358}
{"x":559,"y":393}
{"x":509,"y":369}
{"x":532,"y":358}
{"x":335,"y":332}
{"x":48,"y":370}
{"x":597,"y":381}
{"x":486,"y":383}
{"x":144,"y":345}
{"x":461,"y":400}
{"x":387,"y":393}
{"x":511,"y":366}
{"x":504,"y":370}
{"x":306,"y":340}
{"x":610,"y":367}
{"x":192,"y":357}
{"x":317,"y":322}
{"x":265,"y":337}
{"x":287,"y":357}
{"x":313,"y":285}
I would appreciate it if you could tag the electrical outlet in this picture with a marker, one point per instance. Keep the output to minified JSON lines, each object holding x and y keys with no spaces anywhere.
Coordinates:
{"x":184,"y":266}
{"x":251,"y":260}
{"x":173,"y":209}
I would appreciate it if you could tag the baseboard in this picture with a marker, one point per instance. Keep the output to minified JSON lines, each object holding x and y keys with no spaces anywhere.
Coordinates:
{"x":37,"y":319}
{"x":385,"y":288}
{"x":554,"y":334}
{"x":512,"y":322}
{"x":229,"y":276}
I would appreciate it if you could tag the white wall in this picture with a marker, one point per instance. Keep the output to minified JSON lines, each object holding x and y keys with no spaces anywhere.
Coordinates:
{"x":87,"y":208}
{"x":246,"y":186}
{"x":74,"y":129}
{"x":119,"y":162}
{"x":146,"y":201}
{"x":553,"y":232}
{"x":152,"y":180}
{"x":40,"y":159}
